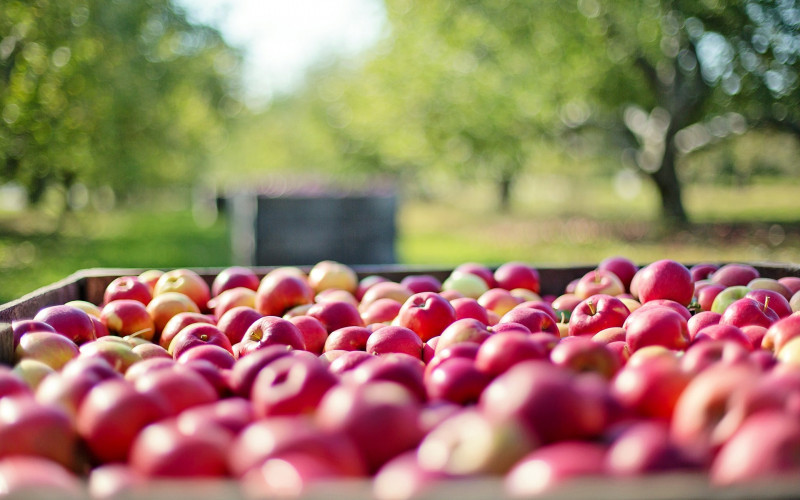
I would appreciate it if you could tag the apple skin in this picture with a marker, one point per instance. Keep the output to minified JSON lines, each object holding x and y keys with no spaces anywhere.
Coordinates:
{"x":187,"y":282}
{"x":703,"y":271}
{"x":348,"y":338}
{"x":347,"y":361}
{"x":467,"y":307}
{"x":463,"y":330}
{"x":621,"y":266}
{"x":427,"y":314}
{"x":398,"y":368}
{"x":781,"y":332}
{"x":114,"y":480}
{"x":150,"y":277}
{"x":291,"y":385}
{"x":765,"y":447}
{"x":702,"y":320}
{"x":771,"y":299}
{"x":36,"y":477}
{"x":246,"y":369}
{"x":707,"y":353}
{"x":71,"y":322}
{"x":391,"y":339}
{"x":501,"y":351}
{"x":457,"y":380}
{"x":479,"y":270}
{"x":178,"y":323}
{"x":234,"y":277}
{"x":728,"y":333}
{"x":313,"y":332}
{"x":597,"y":313}
{"x":381,"y":418}
{"x":383,"y":310}
{"x":734,"y":274}
{"x":123,"y":317}
{"x":657,"y":326}
{"x":650,"y":387}
{"x":279,"y":292}
{"x":646,"y":447}
{"x":665,"y":279}
{"x":28,"y":427}
{"x":598,"y":281}
{"x":116,"y":351}
{"x":550,"y":466}
{"x":11,"y":384}
{"x":336,"y":314}
{"x":111,"y":416}
{"x":770,"y":284}
{"x":546,"y":399}
{"x":235,"y":322}
{"x":498,"y":300}
{"x":178,"y":387}
{"x":581,"y":354}
{"x":467,"y":284}
{"x":792,"y":283}
{"x":198,"y":334}
{"x":165,"y":306}
{"x":533,"y":319}
{"x":511,"y":275}
{"x":165,"y":450}
{"x":215,"y":354}
{"x":23,"y":326}
{"x":128,"y":287}
{"x":404,"y":477}
{"x":233,"y":297}
{"x":747,"y":311}
{"x":366,"y":283}
{"x":608,"y":335}
{"x":270,"y":330}
{"x":329,"y":274}
{"x":51,"y":348}
{"x":385,"y":290}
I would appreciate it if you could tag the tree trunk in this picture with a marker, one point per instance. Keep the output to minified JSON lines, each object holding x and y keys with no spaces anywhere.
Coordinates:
{"x":504,"y":191}
{"x":669,"y":187}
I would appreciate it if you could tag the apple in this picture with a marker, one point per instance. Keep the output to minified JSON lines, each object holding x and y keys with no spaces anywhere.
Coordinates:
{"x":734,"y":274}
{"x":366,"y":283}
{"x":596,"y":313}
{"x":348,"y":338}
{"x":747,"y":311}
{"x":792,"y":283}
{"x":394,"y":339}
{"x":150,"y":350}
{"x":187,"y":282}
{"x":336,"y":295}
{"x":88,"y":307}
{"x":622,"y":267}
{"x":780,"y":332}
{"x":794,"y":302}
{"x":150,"y":277}
{"x":234,"y":277}
{"x":385,"y":290}
{"x":665,"y":279}
{"x":270,"y":330}
{"x":114,"y":350}
{"x":347,"y":361}
{"x":707,"y":294}
{"x":467,"y":284}
{"x":166,"y":305}
{"x":215,"y":354}
{"x":772,"y":284}
{"x":702,"y":271}
{"x":608,"y":335}
{"x":198,"y":334}
{"x":11,"y":384}
{"x":546,"y":399}
{"x":235,"y":322}
{"x":230,"y":298}
{"x":544,"y":469}
{"x":417,"y":283}
{"x":123,"y":317}
{"x":336,"y":314}
{"x":702,"y":355}
{"x":656,"y":326}
{"x":313,"y":332}
{"x":467,"y":307}
{"x":383,"y":310}
{"x":381,"y":418}
{"x":771,"y":299}
{"x":404,"y":477}
{"x":650,"y":387}
{"x":331,"y":274}
{"x":19,"y":327}
{"x":246,"y":368}
{"x":232,"y":414}
{"x":756,"y":334}
{"x":291,"y":385}
{"x":51,"y":348}
{"x":178,"y":387}
{"x":702,"y":320}
{"x":499,"y":300}
{"x":128,"y":287}
{"x":646,"y":447}
{"x":511,"y":275}
{"x":112,"y":414}
{"x":279,"y":292}
{"x":36,"y":477}
{"x":398,"y":368}
{"x":480,"y":270}
{"x":457,"y":380}
{"x":467,"y":350}
{"x":727,"y":297}
{"x":71,"y":322}
{"x":114,"y":480}
{"x":427,"y":314}
{"x":463,"y":330}
{"x":534,"y":319}
{"x":178,"y":322}
{"x":28,"y":427}
{"x":598,"y":281}
{"x":728,"y":333}
{"x":581,"y":354}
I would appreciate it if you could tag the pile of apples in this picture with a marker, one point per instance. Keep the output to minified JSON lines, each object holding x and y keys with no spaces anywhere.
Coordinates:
{"x":296,"y":380}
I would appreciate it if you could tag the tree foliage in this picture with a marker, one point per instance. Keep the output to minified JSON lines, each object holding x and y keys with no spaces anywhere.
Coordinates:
{"x":109,"y":93}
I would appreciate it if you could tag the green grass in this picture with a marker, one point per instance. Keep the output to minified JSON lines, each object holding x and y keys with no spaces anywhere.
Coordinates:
{"x":554,"y":222}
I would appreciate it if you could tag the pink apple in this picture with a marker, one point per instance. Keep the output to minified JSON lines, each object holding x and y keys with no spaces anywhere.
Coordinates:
{"x":457,"y":380}
{"x":51,"y":348}
{"x":336,"y":314}
{"x":533,"y":319}
{"x":771,"y":299}
{"x":230,"y":298}
{"x":165,"y":306}
{"x":28,"y":427}
{"x":385,"y":290}
{"x":665,"y":279}
{"x":467,"y":307}
{"x":246,"y":368}
{"x":608,"y":335}
{"x":729,"y":333}
{"x":30,"y":476}
{"x":772,"y":284}
{"x":501,"y":351}
{"x":398,"y":368}
{"x":128,"y":287}
{"x":11,"y":384}
{"x":279,"y":292}
{"x":650,"y":387}
{"x":707,"y":294}
{"x":596,"y":313}
{"x":623,"y":267}
{"x":347,"y":360}
{"x":646,"y":447}
{"x":479,"y":270}
{"x":657,"y":326}
{"x":702,"y":355}
{"x":598,"y":281}
{"x":747,"y":311}
{"x":792,"y":283}
{"x":417,"y":283}
{"x":394,"y":339}
{"x":702,"y":320}
{"x":124,"y":317}
{"x":187,"y":282}
{"x":565,"y":303}
{"x":404,"y":476}
{"x":546,"y":468}
{"x":235,"y":322}
{"x":427,"y":314}
{"x":114,"y":480}
{"x":150,"y":277}
{"x":348,"y":338}
{"x":313,"y":332}
{"x":198,"y":334}
{"x":702,"y":271}
{"x":177,"y":323}
{"x":734,"y":274}
{"x":22,"y":326}
{"x":177,"y":387}
{"x":499,"y":300}
{"x":215,"y":354}
{"x":581,"y":354}
{"x":383,"y":310}
{"x":71,"y":322}
{"x":291,"y":385}
{"x":270,"y":330}
{"x":467,"y":284}
{"x":463,"y":330}
{"x":366,"y":283}
{"x":234,"y":277}
{"x":511,"y":275}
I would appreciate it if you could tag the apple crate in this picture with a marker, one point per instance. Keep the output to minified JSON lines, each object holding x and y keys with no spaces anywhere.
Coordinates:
{"x":90,"y":285}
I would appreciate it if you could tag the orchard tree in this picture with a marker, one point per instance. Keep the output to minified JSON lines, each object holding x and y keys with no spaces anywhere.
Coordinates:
{"x":109,"y":93}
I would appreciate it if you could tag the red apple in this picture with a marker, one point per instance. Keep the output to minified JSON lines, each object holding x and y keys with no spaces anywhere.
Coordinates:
{"x":650,"y":387}
{"x":234,"y":277}
{"x":734,"y":274}
{"x":792,"y":283}
{"x":124,"y":317}
{"x":114,"y":480}
{"x":646,"y":447}
{"x":596,"y":313}
{"x":771,"y":284}
{"x":270,"y":330}
{"x":280,"y":292}
{"x":702,"y":271}
{"x":398,"y":368}
{"x":511,"y":275}
{"x":291,"y":385}
{"x":608,"y":335}
{"x":177,"y":387}
{"x":381,"y":311}
{"x":467,"y":307}
{"x":533,"y":319}
{"x":184,"y":281}
{"x":427,"y":314}
{"x":747,"y":311}
{"x":11,"y":384}
{"x":150,"y":277}
{"x":707,"y":294}
{"x":178,"y":323}
{"x":771,"y":299}
{"x":348,"y":338}
{"x":36,"y":477}
{"x":404,"y":477}
{"x":28,"y":427}
{"x":51,"y":348}
{"x":32,"y":372}
{"x":215,"y":354}
{"x":394,"y":339}
{"x":336,"y":314}
{"x":235,"y":322}
{"x":165,"y":306}
{"x":598,"y":281}
{"x":581,"y":354}
{"x":548,"y":467}
{"x":114,"y":350}
{"x":665,"y":279}
{"x":457,"y":380}
{"x":657,"y":326}
{"x":313,"y":332}
{"x":466,"y":284}
{"x":702,"y":320}
{"x":128,"y":287}
{"x":71,"y":322}
{"x":463,"y":330}
{"x":729,"y":333}
{"x":22,"y":326}
{"x":247,"y":368}
{"x":233,"y":297}
{"x":366,"y":283}
{"x":417,"y":283}
{"x":707,"y":353}
{"x":198,"y":334}
{"x":623,"y":267}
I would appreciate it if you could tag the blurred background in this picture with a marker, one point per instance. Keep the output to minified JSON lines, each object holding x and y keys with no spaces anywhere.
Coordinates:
{"x":197,"y":133}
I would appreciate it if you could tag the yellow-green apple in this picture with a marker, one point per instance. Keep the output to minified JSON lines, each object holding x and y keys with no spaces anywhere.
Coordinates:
{"x":198,"y":334}
{"x":656,"y":326}
{"x":394,"y":339}
{"x":417,"y":283}
{"x":235,"y":322}
{"x":702,"y":355}
{"x":457,"y":380}
{"x":291,"y":385}
{"x":725,"y":332}
{"x":650,"y":387}
{"x":646,"y":447}
{"x":166,"y":450}
{"x":128,"y":287}
{"x":621,"y":266}
{"x":582,"y":354}
{"x":598,"y":281}
{"x":794,"y":302}
{"x":381,"y":418}
{"x":546,"y":399}
{"x":789,"y":353}
{"x":116,"y":351}
{"x":479,"y":270}
{"x":32,"y":372}
{"x":123,"y":317}
{"x":734,"y":274}
{"x":270,"y":330}
{"x":279,"y":292}
{"x":234,"y":277}
{"x":551,"y":466}
{"x":93,"y":310}
{"x":336,"y":314}
{"x":534,"y":319}
{"x":702,"y":271}
{"x":706,"y":293}
{"x":178,"y":322}
{"x":166,"y":305}
{"x":381,"y":311}
{"x":702,"y":320}
{"x":385,"y":290}
{"x":665,"y":279}
{"x":426,"y":313}
{"x":499,"y":300}
{"x":313,"y":331}
{"x":747,"y":311}
{"x":187,"y":282}
{"x":177,"y":387}
{"x":230,"y":298}
{"x":514,"y":274}
{"x":598,"y":312}
{"x":28,"y":427}
{"x":73,"y":323}
{"x":112,"y":414}
{"x":348,"y":338}
{"x":246,"y":368}
{"x":463,"y":330}
{"x":468,"y":284}
{"x":51,"y":348}
{"x":771,"y":299}
{"x":727,"y":297}
{"x":470,"y":444}
{"x":331,"y":274}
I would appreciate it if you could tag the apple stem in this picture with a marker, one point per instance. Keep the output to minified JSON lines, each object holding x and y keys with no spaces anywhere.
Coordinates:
{"x":204,"y":337}
{"x":592,"y":308}
{"x":766,"y":302}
